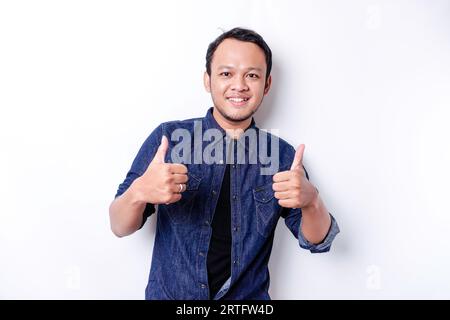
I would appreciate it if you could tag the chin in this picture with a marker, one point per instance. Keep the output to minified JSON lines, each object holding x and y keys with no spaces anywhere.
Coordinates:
{"x":241,"y":115}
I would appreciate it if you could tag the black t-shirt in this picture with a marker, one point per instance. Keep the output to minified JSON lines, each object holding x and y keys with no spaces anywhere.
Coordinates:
{"x":219,"y":253}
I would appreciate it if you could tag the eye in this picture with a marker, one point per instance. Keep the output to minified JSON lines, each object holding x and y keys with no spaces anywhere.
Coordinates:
{"x":225,"y":74}
{"x":253,"y":75}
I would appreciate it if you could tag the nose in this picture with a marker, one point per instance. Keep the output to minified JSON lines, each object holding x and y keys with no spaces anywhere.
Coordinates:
{"x":239,"y":84}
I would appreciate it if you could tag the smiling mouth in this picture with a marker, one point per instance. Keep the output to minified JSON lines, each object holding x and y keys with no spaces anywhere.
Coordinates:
{"x":238,"y":101}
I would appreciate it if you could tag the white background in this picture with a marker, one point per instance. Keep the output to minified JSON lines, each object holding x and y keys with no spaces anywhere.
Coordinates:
{"x":364,"y":84}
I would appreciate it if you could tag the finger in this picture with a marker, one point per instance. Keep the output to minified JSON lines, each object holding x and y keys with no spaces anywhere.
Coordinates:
{"x":282,"y":195}
{"x":287,"y":203}
{"x":281,"y":186}
{"x":298,"y":158}
{"x":175,"y":188}
{"x":282,"y":176}
{"x":180,"y":178}
{"x":181,"y":187}
{"x":174,"y":198}
{"x":178,"y":168}
{"x":162,"y":150}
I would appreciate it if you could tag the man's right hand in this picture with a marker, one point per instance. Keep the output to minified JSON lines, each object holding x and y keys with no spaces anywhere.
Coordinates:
{"x":161,"y":183}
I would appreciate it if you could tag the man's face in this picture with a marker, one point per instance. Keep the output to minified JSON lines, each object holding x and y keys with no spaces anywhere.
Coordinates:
{"x":237,"y":82}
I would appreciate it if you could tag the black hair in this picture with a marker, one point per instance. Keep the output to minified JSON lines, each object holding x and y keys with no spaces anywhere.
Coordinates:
{"x":242,"y":35}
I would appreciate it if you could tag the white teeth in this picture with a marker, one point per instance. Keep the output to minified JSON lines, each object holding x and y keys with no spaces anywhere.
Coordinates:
{"x":238,"y":99}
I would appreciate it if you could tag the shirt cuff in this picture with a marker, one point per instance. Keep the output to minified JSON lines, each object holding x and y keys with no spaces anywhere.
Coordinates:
{"x":325,"y":245}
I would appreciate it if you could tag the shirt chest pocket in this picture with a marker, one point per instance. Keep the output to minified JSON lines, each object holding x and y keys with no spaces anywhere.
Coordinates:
{"x":266,"y":209}
{"x":180,"y":212}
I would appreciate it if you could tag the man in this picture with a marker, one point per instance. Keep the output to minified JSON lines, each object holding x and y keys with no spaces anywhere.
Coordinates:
{"x":217,"y":216}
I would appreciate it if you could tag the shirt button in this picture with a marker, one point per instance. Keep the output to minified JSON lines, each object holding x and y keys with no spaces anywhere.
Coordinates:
{"x":207,"y":222}
{"x":234,"y":261}
{"x":234,"y":197}
{"x":202,"y":254}
{"x":203,"y":286}
{"x":221,"y":161}
{"x":234,"y":228}
{"x":234,"y":166}
{"x":214,"y":192}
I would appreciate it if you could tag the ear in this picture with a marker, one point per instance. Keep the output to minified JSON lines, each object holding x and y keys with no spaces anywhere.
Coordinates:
{"x":206,"y":82}
{"x":268,"y":84}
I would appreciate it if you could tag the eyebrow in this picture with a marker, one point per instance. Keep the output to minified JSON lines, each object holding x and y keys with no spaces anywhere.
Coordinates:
{"x":231,"y":67}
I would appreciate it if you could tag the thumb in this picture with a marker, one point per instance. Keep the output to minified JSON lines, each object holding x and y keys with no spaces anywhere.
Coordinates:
{"x":162,"y":150}
{"x":298,"y":158}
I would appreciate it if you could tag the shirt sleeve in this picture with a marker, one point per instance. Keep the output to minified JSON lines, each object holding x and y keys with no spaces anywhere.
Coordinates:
{"x":293,"y":218}
{"x":139,"y":165}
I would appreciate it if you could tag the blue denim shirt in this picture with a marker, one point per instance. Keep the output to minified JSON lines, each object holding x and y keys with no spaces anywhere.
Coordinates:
{"x":183,"y":231}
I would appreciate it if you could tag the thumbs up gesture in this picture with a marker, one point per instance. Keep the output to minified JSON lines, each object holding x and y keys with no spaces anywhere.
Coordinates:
{"x":161,"y":182}
{"x":292,"y":188}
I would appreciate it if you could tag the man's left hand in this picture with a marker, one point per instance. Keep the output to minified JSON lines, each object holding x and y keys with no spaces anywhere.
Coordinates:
{"x":292,"y":188}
